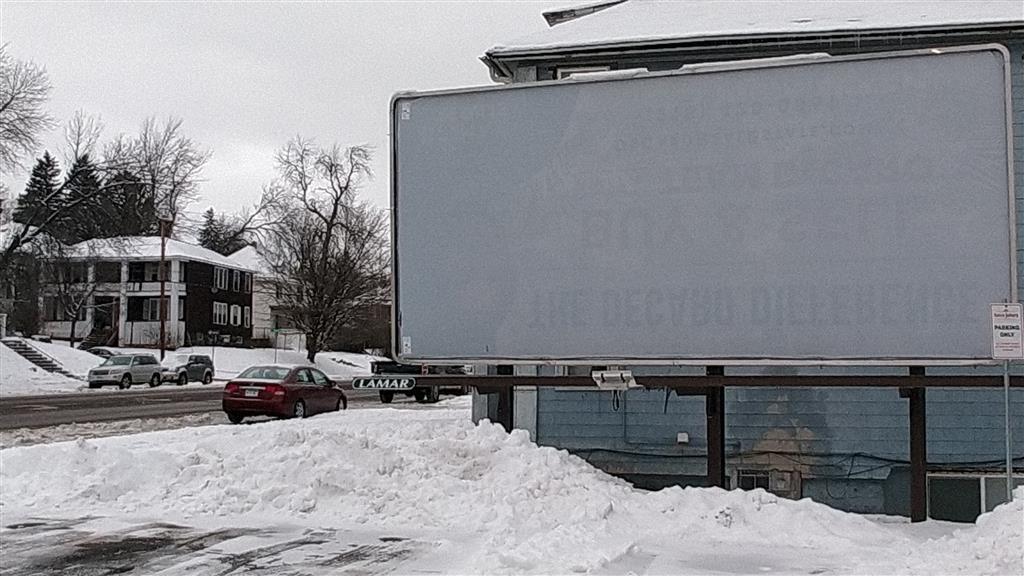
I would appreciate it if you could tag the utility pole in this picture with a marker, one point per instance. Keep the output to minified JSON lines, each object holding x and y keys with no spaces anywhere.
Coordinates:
{"x":164,"y":219}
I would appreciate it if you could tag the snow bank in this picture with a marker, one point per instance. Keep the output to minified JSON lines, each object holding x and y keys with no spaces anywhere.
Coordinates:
{"x":523,"y":508}
{"x":229,"y":362}
{"x":76,"y":361}
{"x":19,"y":377}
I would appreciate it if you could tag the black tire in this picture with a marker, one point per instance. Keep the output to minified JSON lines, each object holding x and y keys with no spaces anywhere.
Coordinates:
{"x":126,"y":382}
{"x":235,"y":417}
{"x":94,"y":385}
{"x":299,"y":410}
{"x":420,"y":394}
{"x":207,"y":378}
{"x":155,"y":381}
{"x":182,"y":379}
{"x":342,"y":404}
{"x":386,"y":396}
{"x":433,"y":394}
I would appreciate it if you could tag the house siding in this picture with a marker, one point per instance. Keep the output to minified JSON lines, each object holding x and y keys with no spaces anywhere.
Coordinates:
{"x":202,"y":293}
{"x":849,"y":447}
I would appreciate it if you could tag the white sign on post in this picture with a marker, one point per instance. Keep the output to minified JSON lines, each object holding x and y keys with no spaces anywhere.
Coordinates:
{"x":1007,"y":342}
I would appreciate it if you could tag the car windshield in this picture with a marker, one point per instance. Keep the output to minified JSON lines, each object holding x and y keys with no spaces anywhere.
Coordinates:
{"x":265,"y":373}
{"x":118,"y":361}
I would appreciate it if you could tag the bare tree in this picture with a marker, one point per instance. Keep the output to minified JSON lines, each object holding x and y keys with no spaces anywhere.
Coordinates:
{"x":67,"y":282}
{"x":165,"y":161}
{"x":157,"y":169}
{"x":24,"y":89}
{"x":327,"y":253}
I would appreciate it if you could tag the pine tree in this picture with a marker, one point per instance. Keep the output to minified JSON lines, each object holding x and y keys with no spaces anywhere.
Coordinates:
{"x":39,"y":199}
{"x":91,"y":217}
{"x":210,"y":233}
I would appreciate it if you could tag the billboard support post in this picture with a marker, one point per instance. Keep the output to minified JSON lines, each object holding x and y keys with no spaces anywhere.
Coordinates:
{"x":1006,"y":413}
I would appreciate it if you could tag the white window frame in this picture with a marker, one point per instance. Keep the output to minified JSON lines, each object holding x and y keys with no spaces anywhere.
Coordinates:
{"x":220,"y":314}
{"x":220,"y":278}
{"x":151,"y":309}
{"x":236,"y":280}
{"x":246,"y":316}
{"x":248,"y":282}
{"x":236,"y":315}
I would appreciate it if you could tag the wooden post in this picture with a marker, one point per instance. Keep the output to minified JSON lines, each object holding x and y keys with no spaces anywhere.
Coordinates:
{"x":714,"y":407}
{"x":918,"y":450}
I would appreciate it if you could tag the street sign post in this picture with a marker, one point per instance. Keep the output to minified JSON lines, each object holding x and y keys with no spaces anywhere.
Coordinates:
{"x":1007,"y":344}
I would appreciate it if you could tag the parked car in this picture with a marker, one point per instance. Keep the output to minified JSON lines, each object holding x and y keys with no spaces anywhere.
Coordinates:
{"x":282,"y":391}
{"x":101,"y":352}
{"x":126,"y":369}
{"x":184,"y":368}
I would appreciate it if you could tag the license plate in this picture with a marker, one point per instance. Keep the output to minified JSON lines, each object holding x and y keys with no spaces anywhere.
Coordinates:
{"x":252,"y":392}
{"x":384,"y":383}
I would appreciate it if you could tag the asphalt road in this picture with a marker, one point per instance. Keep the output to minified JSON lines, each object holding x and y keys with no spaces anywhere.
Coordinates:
{"x":106,"y":406}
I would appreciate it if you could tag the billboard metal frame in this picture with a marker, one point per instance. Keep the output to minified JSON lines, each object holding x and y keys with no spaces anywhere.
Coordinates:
{"x":698,"y":69}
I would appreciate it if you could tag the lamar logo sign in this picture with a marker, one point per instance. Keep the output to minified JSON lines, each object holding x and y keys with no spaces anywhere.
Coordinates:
{"x":384,"y":383}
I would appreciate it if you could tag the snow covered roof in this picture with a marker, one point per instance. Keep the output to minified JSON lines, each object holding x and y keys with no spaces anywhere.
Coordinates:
{"x":649,"y":21}
{"x":250,"y":259}
{"x":148,"y":248}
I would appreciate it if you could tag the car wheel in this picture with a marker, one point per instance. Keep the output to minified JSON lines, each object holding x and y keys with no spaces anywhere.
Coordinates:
{"x":207,"y":378}
{"x":94,"y":385}
{"x":386,"y":396}
{"x":154,"y":381}
{"x":235,"y":417}
{"x":299,"y":410}
{"x":182,"y":379}
{"x":126,"y":382}
{"x":342,"y":404}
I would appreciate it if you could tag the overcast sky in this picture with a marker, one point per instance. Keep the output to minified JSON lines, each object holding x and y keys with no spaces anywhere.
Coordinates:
{"x":245,"y":77}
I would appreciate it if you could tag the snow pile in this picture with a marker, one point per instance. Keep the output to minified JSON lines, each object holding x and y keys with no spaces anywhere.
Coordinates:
{"x":995,"y":545}
{"x":19,"y":377}
{"x":511,"y":505}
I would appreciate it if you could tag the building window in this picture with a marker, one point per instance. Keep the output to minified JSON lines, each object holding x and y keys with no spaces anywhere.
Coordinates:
{"x":182,"y":271}
{"x":181,"y":308}
{"x":248,"y":283}
{"x":246,"y":317}
{"x":220,"y":278}
{"x":151,"y":309}
{"x":220,"y":313}
{"x":570,"y":70}
{"x":751,"y":479}
{"x":151,"y":271}
{"x":236,"y":314}
{"x":236,"y":281}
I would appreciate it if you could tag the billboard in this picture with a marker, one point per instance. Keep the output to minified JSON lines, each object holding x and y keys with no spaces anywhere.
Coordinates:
{"x":818,"y":210}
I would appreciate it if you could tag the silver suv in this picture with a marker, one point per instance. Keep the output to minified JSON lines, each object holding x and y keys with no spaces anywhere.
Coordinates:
{"x":125,"y":370}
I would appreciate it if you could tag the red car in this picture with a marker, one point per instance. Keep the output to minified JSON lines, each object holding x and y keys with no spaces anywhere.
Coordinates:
{"x":283,"y":391}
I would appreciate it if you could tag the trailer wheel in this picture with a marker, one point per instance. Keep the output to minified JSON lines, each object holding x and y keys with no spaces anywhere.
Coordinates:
{"x":433,"y":394}
{"x":420,"y":394}
{"x":386,"y":396}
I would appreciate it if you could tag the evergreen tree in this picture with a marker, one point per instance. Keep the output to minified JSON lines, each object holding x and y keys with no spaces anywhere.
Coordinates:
{"x":91,"y":217}
{"x":39,"y":199}
{"x":210,"y":233}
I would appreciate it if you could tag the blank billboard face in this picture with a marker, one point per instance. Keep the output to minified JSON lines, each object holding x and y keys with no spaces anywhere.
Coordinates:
{"x":847,"y":209}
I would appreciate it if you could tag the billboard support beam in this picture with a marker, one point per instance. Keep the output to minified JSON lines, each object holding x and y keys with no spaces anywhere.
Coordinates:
{"x":918,"y":446}
{"x":714,"y":409}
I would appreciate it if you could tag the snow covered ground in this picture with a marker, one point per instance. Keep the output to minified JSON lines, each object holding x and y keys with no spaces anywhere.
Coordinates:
{"x":20,"y":377}
{"x":437,"y":494}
